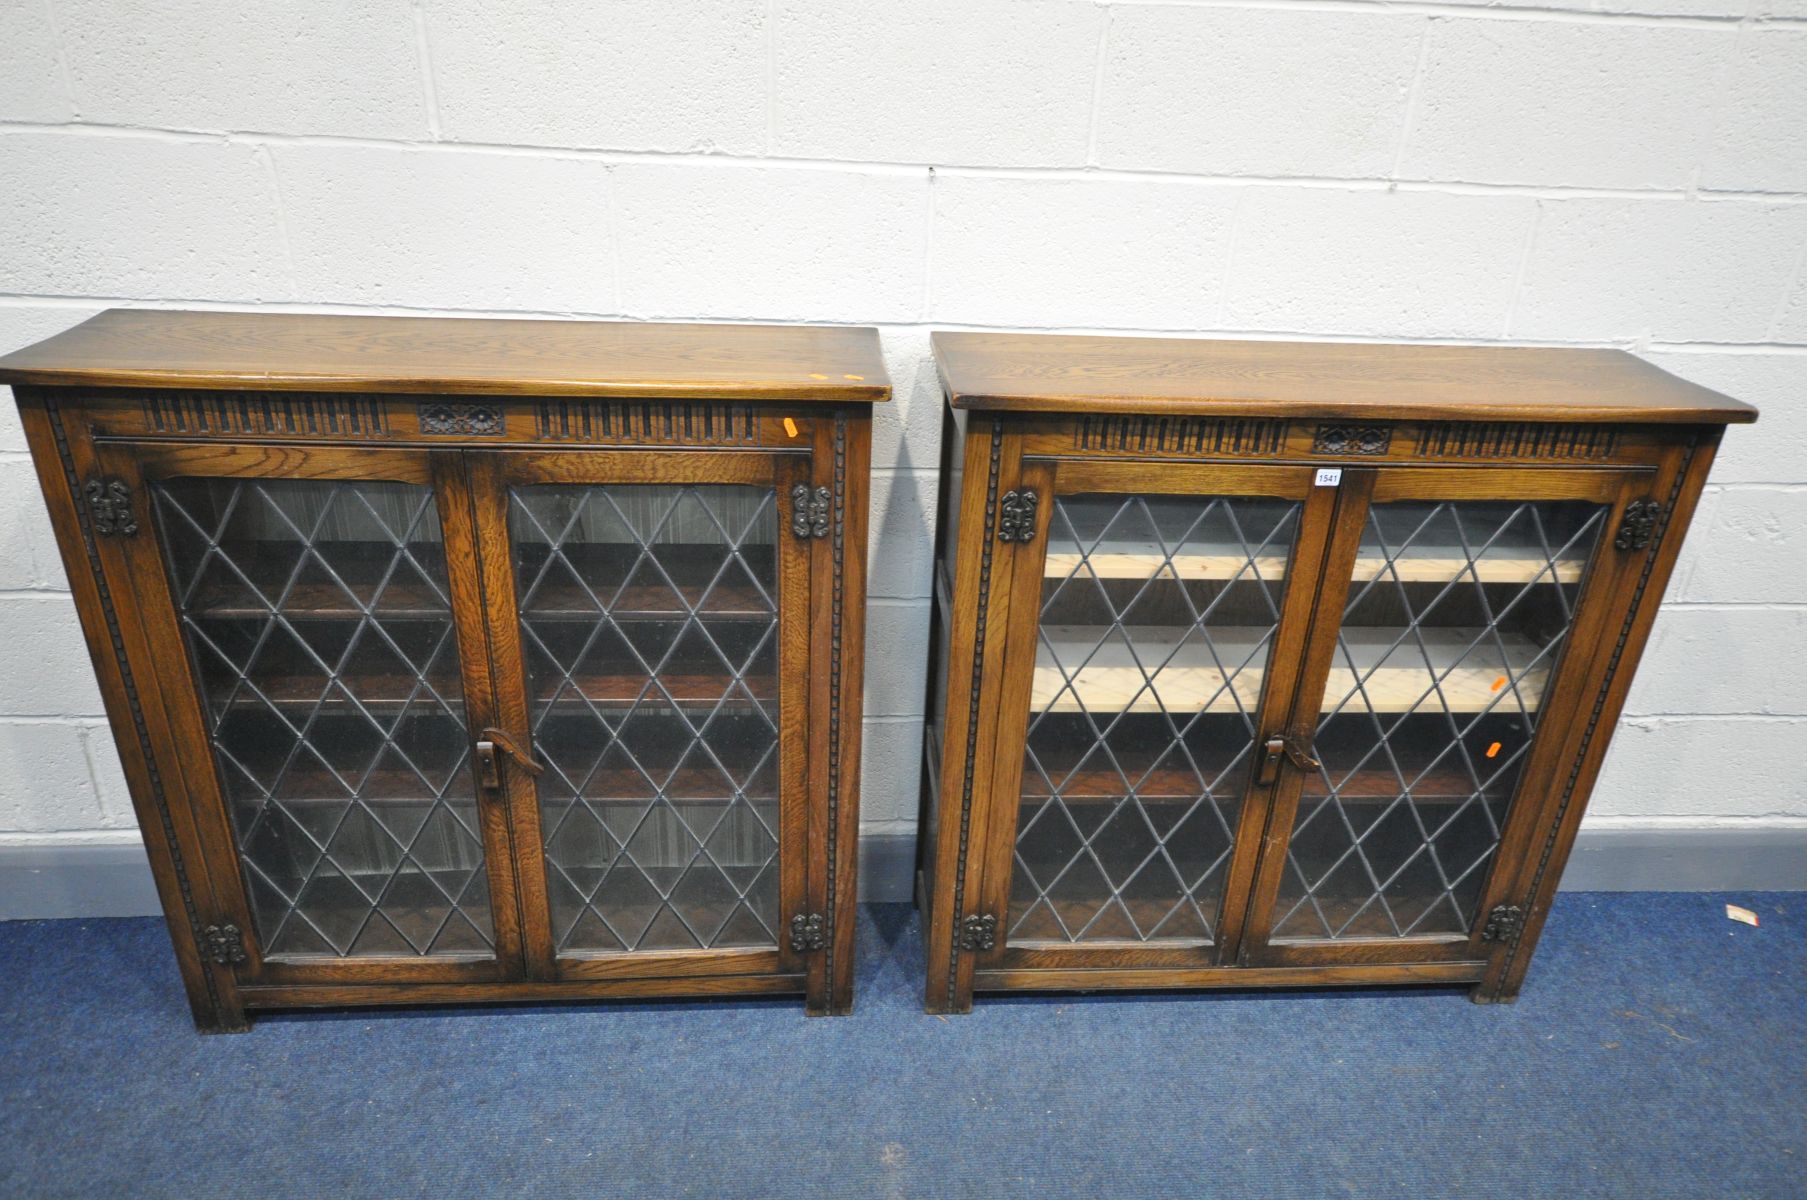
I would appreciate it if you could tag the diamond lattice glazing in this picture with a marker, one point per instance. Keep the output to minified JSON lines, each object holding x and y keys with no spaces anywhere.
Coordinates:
{"x":1157,"y":619}
{"x":649,"y":623}
{"x":317,"y":617}
{"x":1453,"y":626}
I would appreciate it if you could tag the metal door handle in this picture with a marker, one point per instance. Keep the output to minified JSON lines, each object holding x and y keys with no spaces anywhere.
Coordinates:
{"x":494,"y":739}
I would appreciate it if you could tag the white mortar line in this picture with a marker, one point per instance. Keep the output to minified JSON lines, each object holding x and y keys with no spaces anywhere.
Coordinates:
{"x":1413,"y":88}
{"x":1547,"y":14}
{"x":1220,"y":295}
{"x":71,"y":837}
{"x":1651,"y":719}
{"x":1098,"y":65}
{"x":1524,"y":270}
{"x":925,"y":305}
{"x":1796,"y":286}
{"x":39,"y":300}
{"x":62,"y":58}
{"x":771,"y":75}
{"x":423,"y":47}
{"x":1747,"y":486}
{"x":267,"y":160}
{"x":889,"y":825}
{"x":1731,"y":606}
{"x":894,"y":167}
{"x":75,"y":720}
{"x":102,"y":799}
{"x":1658,"y":347}
{"x":1703,"y":821}
{"x":1710,"y":120}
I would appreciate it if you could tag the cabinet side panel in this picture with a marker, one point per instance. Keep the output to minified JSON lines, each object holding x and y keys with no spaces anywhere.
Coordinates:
{"x":935,"y":688}
{"x":979,"y":601}
{"x":63,"y":456}
{"x":1678,"y":489}
{"x":852,"y":473}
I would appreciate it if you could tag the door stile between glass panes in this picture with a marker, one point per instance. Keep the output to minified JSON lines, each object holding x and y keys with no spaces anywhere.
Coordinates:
{"x":373,"y":683}
{"x":595,"y":574}
{"x":1438,"y":661}
{"x":1183,"y":499}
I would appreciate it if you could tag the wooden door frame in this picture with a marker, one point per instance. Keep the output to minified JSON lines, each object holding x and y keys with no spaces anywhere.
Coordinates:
{"x":1008,"y":696}
{"x":1610,"y":486}
{"x":491,"y":474}
{"x":156,"y":647}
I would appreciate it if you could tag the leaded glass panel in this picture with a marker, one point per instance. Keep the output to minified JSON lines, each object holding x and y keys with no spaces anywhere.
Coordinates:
{"x":649,"y":626}
{"x":1158,"y":615}
{"x":317,"y":617}
{"x":1456,"y":616}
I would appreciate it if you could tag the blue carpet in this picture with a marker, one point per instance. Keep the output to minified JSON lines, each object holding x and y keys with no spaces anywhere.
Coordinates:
{"x":1659,"y":1050}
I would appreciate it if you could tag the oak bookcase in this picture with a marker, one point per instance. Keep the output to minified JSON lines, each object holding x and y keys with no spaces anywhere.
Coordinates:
{"x":462,"y":660}
{"x":1271,"y":664}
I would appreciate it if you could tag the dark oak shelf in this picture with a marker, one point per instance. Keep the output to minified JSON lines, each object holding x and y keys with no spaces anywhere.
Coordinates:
{"x":1166,"y":786}
{"x":386,"y":692}
{"x":648,"y":603}
{"x":320,"y":600}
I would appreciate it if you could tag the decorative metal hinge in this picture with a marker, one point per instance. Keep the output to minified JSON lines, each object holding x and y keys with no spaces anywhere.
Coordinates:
{"x":809,"y":511}
{"x":222,"y":944}
{"x":110,"y":508}
{"x":471,"y":420}
{"x":1352,"y":439}
{"x":808,"y":932}
{"x":1016,"y":516}
{"x":1504,"y":923}
{"x":1637,"y":525}
{"x":979,"y":932}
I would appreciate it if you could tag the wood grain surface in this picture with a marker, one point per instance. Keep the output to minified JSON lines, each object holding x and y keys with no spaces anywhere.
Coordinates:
{"x":310,"y":352}
{"x":1065,"y":373}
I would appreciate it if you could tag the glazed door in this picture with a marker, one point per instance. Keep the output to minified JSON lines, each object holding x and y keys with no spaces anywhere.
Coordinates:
{"x":1459,"y":610}
{"x":327,"y":609}
{"x":1156,"y":619}
{"x":649,"y":614}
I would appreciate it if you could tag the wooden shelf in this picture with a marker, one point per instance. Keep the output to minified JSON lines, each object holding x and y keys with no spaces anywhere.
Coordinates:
{"x":413,"y":600}
{"x":1167,"y":786}
{"x":687,"y":691}
{"x":1112,"y":680}
{"x":1427,"y":564}
{"x":569,"y":602}
{"x":319,"y":600}
{"x":387,"y":692}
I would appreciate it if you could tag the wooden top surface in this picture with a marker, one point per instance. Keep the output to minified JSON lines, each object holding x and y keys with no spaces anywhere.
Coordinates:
{"x":296,"y":352}
{"x":1183,"y":376}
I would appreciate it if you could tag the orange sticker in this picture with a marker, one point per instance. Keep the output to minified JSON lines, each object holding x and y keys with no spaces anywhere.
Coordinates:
{"x":1498,"y":684}
{"x":1493,"y":750}
{"x":790,"y":427}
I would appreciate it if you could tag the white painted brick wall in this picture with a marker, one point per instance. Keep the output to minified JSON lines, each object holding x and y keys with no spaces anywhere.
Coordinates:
{"x":1155,"y":251}
{"x":777,"y":243}
{"x":1621,"y":106}
{"x":272,"y":65}
{"x":633,"y":74}
{"x":1254,"y":91}
{"x":1593,"y":172}
{"x":1317,"y":260}
{"x":433,"y":228}
{"x":992,"y":82}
